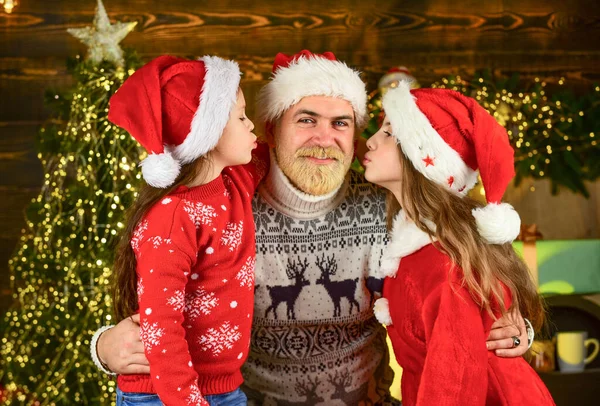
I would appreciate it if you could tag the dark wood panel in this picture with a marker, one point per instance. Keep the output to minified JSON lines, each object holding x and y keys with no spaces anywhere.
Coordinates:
{"x":7,"y":247}
{"x":19,"y":165}
{"x":237,"y":30}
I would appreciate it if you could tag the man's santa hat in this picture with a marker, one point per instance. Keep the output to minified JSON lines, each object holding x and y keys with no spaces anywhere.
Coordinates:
{"x":177,"y":110}
{"x":449,"y":138}
{"x":306,"y":74}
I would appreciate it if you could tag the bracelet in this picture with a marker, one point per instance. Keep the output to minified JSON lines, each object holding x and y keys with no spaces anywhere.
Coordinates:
{"x":530,"y":333}
{"x":94,"y":351}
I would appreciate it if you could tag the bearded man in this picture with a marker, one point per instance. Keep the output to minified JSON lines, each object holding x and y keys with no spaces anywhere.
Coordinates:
{"x":320,"y":233}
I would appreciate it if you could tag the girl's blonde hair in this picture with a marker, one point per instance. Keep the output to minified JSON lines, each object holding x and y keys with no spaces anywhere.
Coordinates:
{"x":124,"y":278}
{"x":485,"y":266}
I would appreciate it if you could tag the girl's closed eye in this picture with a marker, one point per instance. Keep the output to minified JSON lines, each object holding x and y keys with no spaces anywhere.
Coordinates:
{"x":389,"y":134}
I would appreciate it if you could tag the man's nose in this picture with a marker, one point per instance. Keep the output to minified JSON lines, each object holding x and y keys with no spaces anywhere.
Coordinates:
{"x":324,"y":135}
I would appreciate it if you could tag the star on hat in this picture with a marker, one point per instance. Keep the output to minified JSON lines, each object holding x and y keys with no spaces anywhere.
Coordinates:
{"x":103,"y":37}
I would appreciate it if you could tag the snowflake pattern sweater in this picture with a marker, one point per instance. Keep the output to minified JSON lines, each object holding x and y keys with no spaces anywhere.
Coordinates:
{"x":438,"y":332}
{"x":315,"y":340}
{"x":195,"y":263}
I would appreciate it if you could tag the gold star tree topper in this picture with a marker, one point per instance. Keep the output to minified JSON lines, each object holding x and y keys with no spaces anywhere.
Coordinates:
{"x":103,"y":38}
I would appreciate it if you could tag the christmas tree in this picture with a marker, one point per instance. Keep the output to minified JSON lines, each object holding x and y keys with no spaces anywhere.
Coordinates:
{"x":61,"y":269}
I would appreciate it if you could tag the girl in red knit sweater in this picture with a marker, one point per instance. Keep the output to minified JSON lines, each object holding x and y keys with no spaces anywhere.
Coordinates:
{"x":186,"y":262}
{"x":451,"y":270}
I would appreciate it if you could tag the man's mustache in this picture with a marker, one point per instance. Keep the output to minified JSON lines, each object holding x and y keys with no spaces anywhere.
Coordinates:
{"x":321,"y":153}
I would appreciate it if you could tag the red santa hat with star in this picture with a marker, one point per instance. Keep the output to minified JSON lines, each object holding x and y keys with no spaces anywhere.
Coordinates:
{"x":308,"y":74}
{"x":450,"y":138}
{"x":177,"y":110}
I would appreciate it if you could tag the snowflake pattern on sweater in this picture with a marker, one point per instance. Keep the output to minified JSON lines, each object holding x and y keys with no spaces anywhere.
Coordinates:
{"x":199,"y":303}
{"x":138,"y":235}
{"x":246,"y":274}
{"x":200,"y":213}
{"x":150,"y":334}
{"x":140,"y":287}
{"x":217,"y":340}
{"x":232,"y":235}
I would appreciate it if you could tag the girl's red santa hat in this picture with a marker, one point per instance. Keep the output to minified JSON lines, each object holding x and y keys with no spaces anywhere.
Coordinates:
{"x":177,"y":110}
{"x":307,"y":74}
{"x":449,"y":138}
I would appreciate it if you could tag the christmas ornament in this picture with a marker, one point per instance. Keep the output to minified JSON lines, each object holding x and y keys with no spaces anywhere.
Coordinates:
{"x":103,"y":37}
{"x":393,"y":76}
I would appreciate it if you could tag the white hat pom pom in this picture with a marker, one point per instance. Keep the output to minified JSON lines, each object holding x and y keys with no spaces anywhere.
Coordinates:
{"x":160,"y":170}
{"x":497,"y":223}
{"x":381,"y":309}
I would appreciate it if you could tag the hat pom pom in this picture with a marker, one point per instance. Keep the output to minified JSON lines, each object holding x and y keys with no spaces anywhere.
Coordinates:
{"x":497,"y":223}
{"x":160,"y":170}
{"x":381,"y":309}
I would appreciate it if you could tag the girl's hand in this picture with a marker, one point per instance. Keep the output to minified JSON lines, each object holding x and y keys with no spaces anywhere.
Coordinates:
{"x":501,"y":337}
{"x":121,"y":348}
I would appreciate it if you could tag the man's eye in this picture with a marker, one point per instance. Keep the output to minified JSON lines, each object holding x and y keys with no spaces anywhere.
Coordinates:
{"x":306,"y":120}
{"x":340,"y":123}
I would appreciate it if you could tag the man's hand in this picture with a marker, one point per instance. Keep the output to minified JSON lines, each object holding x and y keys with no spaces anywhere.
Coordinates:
{"x":121,"y":348}
{"x":503,"y":331}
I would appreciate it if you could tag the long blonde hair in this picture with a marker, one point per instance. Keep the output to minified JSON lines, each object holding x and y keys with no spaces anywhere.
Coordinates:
{"x":124,"y":277}
{"x":485,"y":266}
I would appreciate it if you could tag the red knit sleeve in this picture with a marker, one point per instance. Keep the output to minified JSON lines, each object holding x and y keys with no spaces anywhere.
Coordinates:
{"x":165,"y":256}
{"x":455,"y":370}
{"x":254,"y":171}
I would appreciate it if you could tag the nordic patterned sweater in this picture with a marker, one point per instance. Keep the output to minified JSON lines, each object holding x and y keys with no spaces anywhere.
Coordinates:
{"x":314,"y":337}
{"x":195,"y":264}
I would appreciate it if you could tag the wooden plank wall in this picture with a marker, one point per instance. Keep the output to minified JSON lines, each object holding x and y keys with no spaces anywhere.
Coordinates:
{"x":431,"y":37}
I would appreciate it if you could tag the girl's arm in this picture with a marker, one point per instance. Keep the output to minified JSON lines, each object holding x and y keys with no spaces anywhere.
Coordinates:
{"x":163,"y":265}
{"x":257,"y":168}
{"x":455,"y":370}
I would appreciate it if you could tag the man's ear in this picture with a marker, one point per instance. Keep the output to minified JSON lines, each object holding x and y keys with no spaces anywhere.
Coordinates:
{"x":270,"y":133}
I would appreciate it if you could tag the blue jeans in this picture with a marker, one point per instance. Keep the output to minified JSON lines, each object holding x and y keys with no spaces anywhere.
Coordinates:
{"x":234,"y":398}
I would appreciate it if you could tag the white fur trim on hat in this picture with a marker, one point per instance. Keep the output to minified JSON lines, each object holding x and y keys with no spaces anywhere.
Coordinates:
{"x":381,"y":309}
{"x":312,"y":76}
{"x":218,"y":96}
{"x":160,"y":170}
{"x":497,"y":223}
{"x":421,"y":142}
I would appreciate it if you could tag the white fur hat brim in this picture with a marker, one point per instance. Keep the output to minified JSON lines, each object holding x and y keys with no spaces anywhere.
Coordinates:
{"x":217,"y":99}
{"x":312,"y":76}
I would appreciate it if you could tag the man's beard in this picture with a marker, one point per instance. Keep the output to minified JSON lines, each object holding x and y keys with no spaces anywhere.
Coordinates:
{"x":311,"y":178}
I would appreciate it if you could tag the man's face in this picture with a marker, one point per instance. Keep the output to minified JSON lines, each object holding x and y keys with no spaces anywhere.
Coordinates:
{"x":314,"y":143}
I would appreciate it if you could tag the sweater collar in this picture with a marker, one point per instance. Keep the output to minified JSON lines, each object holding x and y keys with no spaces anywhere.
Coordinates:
{"x":279,"y":192}
{"x":405,"y":239}
{"x":215,"y":187}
